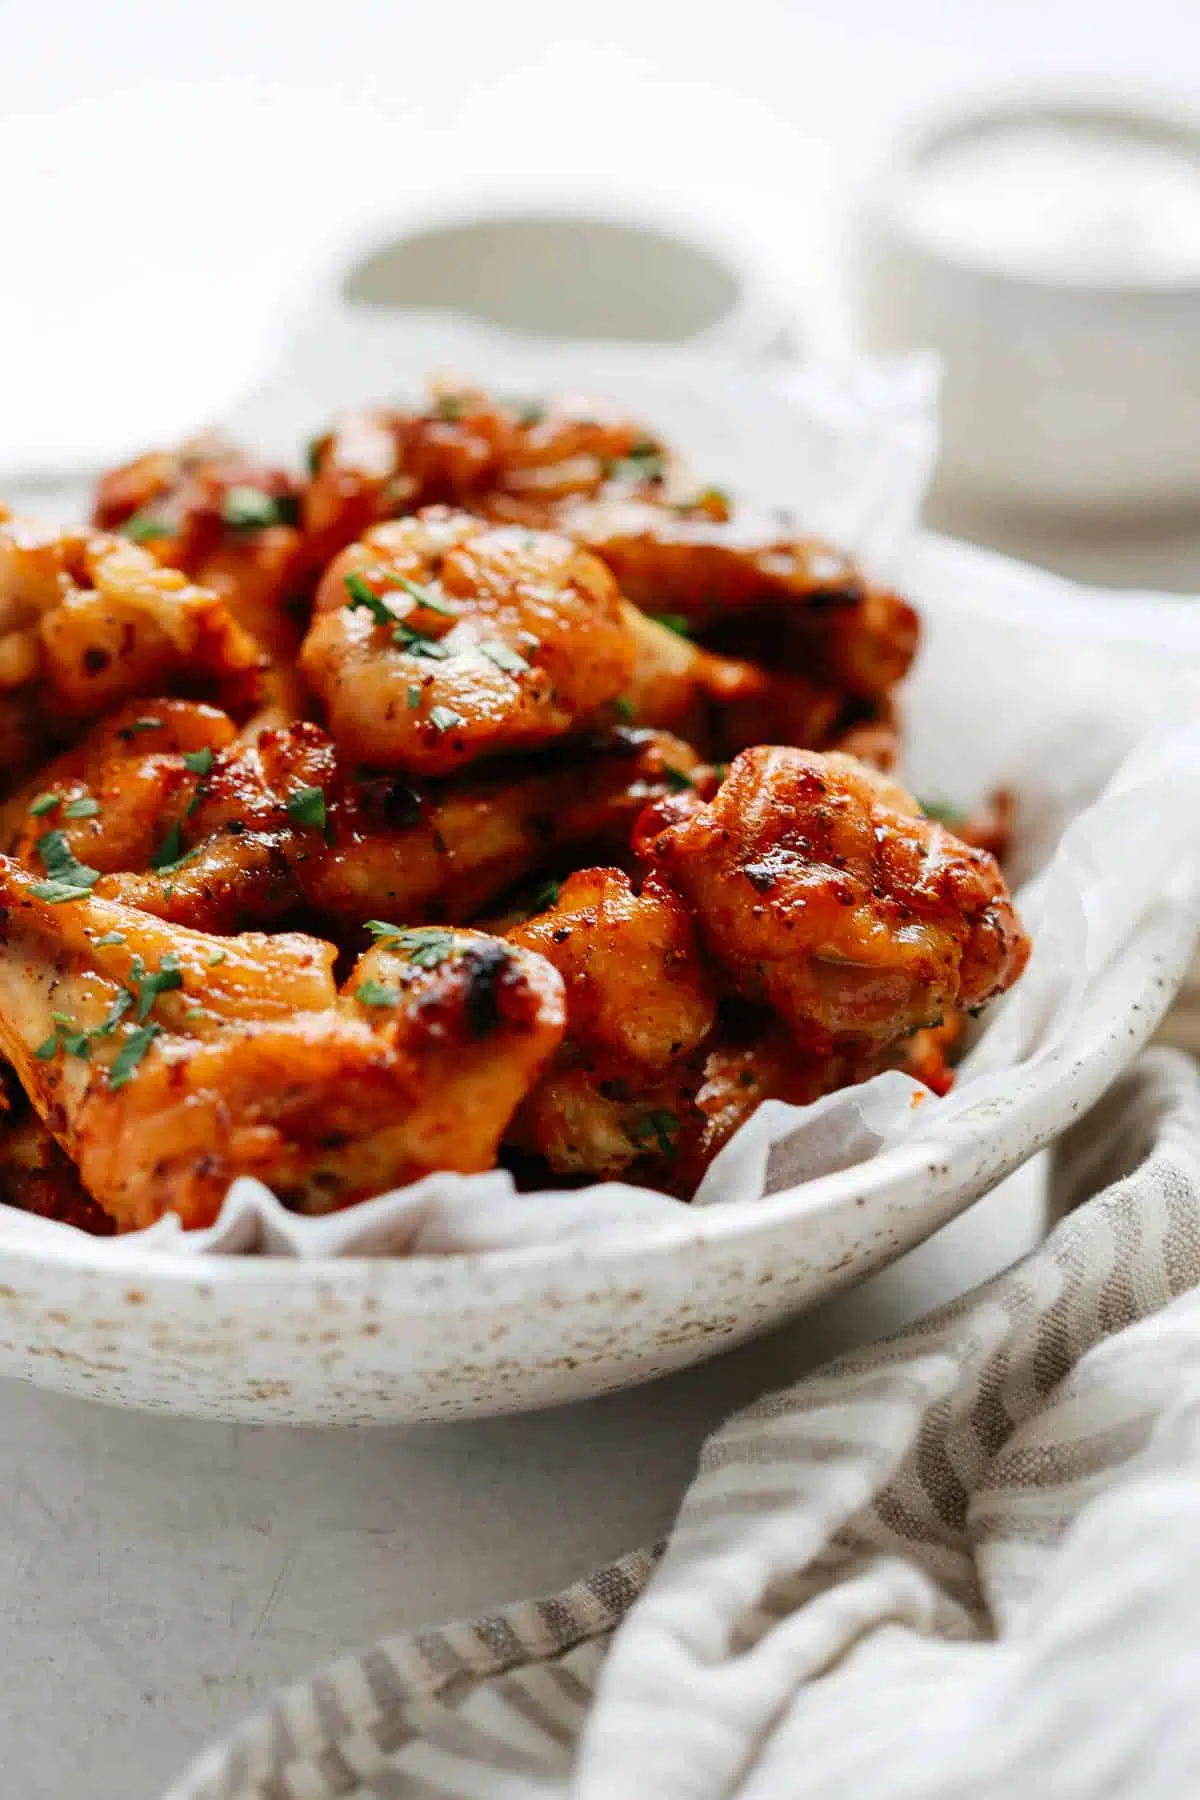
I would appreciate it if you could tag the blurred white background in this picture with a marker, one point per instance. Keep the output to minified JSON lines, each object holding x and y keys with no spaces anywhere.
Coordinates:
{"x":177,"y":176}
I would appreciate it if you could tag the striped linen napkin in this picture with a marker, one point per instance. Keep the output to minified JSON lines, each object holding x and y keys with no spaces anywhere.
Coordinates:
{"x":961,"y":1562}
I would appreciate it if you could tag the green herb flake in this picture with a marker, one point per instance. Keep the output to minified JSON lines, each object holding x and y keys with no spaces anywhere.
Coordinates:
{"x":416,"y":591}
{"x":444,"y":718}
{"x":425,"y":946}
{"x":85,"y":808}
{"x":504,"y":657}
{"x":129,"y":1057}
{"x":193,"y":1013}
{"x":47,"y":1051}
{"x":673,"y":622}
{"x":307,"y":807}
{"x":546,"y":896}
{"x":249,"y":509}
{"x":419,"y":643}
{"x":43,"y":804}
{"x":158,"y":981}
{"x":216,"y":959}
{"x":624,"y":709}
{"x":131,"y":730}
{"x":363,"y":595}
{"x":69,"y":879}
{"x":942,"y":812}
{"x":312,"y":454}
{"x":661,"y":1126}
{"x":170,"y":851}
{"x":414,"y":697}
{"x":110,"y":937}
{"x":116,"y":1012}
{"x":143,"y":527}
{"x":449,"y":408}
{"x":376,"y":993}
{"x":529,"y":412}
{"x":198,"y":761}
{"x":677,"y":780}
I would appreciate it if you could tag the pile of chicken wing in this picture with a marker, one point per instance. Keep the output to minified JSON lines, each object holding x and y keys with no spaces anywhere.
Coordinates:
{"x":487,"y":792}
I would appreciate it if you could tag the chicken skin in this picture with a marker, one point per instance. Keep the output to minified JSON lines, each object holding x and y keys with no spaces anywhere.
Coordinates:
{"x":167,"y":1062}
{"x":177,"y":815}
{"x":439,"y":640}
{"x":640,"y":1002}
{"x":791,"y":603}
{"x":820,"y":888}
{"x":231,"y":523}
{"x":514,"y":461}
{"x":88,"y":621}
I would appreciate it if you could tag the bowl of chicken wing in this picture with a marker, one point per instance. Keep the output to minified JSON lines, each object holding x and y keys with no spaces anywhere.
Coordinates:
{"x":485,"y":797}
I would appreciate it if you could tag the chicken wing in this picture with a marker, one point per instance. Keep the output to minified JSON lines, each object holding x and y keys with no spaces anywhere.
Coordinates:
{"x":640,"y":1002}
{"x":176,"y":815}
{"x":821,"y":888}
{"x":231,"y":523}
{"x":167,"y":1062}
{"x":37,"y":1176}
{"x":789,"y":603}
{"x":439,"y":640}
{"x":88,"y":621}
{"x":516,"y":461}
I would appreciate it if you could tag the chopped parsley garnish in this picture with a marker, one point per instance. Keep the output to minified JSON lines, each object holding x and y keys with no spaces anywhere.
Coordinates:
{"x":122,"y":1068}
{"x":673,"y":621}
{"x":643,"y":463}
{"x":84,"y":808}
{"x":678,"y":780}
{"x":546,"y":896}
{"x":69,"y":879}
{"x":363,"y":594}
{"x":312,"y":454}
{"x":424,"y":945}
{"x":529,"y":412}
{"x":194,"y":1012}
{"x":624,"y":708}
{"x":444,"y":718}
{"x":720,"y":770}
{"x":249,"y":509}
{"x":67,"y":1036}
{"x":307,"y":807}
{"x":418,"y":643}
{"x":376,"y":993}
{"x":661,"y":1126}
{"x":198,"y":761}
{"x":449,"y":408}
{"x":414,"y":697}
{"x":170,"y":851}
{"x":143,"y":527}
{"x":110,"y":937}
{"x":216,"y":959}
{"x":137,"y":725}
{"x":116,"y":1012}
{"x":942,"y":812}
{"x":504,"y":657}
{"x":151,"y":983}
{"x":417,"y":592}
{"x":43,"y":804}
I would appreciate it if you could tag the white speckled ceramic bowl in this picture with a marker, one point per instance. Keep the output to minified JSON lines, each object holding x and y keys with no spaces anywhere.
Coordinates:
{"x":381,"y":1340}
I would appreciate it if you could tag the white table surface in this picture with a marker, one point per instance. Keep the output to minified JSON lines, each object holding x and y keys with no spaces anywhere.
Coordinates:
{"x":173,"y":176}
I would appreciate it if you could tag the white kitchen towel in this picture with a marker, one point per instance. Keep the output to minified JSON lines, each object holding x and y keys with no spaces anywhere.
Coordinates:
{"x":961,"y":1562}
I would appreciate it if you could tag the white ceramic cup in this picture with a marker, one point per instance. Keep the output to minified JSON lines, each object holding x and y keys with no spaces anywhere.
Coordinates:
{"x":1070,"y":386}
{"x":559,"y":274}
